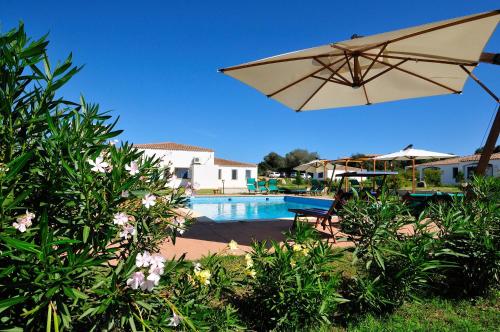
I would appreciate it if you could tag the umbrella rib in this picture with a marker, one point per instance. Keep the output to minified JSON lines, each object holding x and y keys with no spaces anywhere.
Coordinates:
{"x":366,"y":95}
{"x":416,"y":75}
{"x":336,"y":73}
{"x":373,"y":62}
{"x":391,"y":67}
{"x":349,"y":65}
{"x":458,"y":63}
{"x":300,"y":80}
{"x":444,"y":26}
{"x":481,"y":84}
{"x":269,"y":62}
{"x":315,"y":92}
{"x":332,"y":80}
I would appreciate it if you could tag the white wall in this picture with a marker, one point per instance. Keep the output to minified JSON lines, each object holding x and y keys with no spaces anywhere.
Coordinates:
{"x":241,"y":182}
{"x":204,"y":174}
{"x":447,"y":170}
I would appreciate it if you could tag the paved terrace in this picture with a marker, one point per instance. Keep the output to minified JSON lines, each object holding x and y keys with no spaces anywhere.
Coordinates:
{"x":206,"y":237}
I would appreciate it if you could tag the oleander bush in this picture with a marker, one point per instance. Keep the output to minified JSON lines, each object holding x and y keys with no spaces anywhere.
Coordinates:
{"x":469,"y":226}
{"x":292,"y":286}
{"x":396,"y":254}
{"x":81,"y":218}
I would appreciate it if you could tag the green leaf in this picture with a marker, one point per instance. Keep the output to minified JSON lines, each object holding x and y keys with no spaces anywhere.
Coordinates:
{"x":5,"y":304}
{"x":86,"y":232}
{"x":21,"y":245}
{"x":16,"y":165}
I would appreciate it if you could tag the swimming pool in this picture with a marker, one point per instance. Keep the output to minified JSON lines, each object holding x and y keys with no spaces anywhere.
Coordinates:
{"x":232,"y":208}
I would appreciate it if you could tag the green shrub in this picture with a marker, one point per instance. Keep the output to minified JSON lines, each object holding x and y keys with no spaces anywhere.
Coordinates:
{"x":393,"y":265}
{"x":469,"y":227}
{"x":432,"y":177}
{"x":79,"y":216}
{"x":294,"y":286}
{"x":298,"y":179}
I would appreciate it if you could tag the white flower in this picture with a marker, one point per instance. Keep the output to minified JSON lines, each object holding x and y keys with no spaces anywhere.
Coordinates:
{"x":127,"y":230}
{"x":196,"y":186}
{"x":125,"y":194}
{"x":136,"y":280}
{"x":120,"y":218}
{"x":143,"y":259}
{"x":157,"y":261}
{"x":148,"y":285}
{"x":99,"y":165}
{"x":233,"y":245}
{"x":197,"y":267}
{"x":132,"y":168}
{"x":175,"y":320}
{"x":149,"y":200}
{"x":24,"y":221}
{"x":154,"y":277}
{"x":249,"y":261}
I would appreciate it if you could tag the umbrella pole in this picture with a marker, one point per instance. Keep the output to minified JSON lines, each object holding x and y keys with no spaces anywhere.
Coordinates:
{"x":413,"y":175}
{"x":331,"y":179}
{"x":345,"y":178}
{"x":373,"y":179}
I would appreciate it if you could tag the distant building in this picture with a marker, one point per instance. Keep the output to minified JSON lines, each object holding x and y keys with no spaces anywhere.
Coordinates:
{"x":466,"y":165}
{"x":199,"y":166}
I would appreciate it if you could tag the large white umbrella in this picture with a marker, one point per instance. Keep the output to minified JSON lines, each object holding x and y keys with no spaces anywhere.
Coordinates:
{"x":427,"y":60}
{"x":315,"y":166}
{"x":412,"y":154}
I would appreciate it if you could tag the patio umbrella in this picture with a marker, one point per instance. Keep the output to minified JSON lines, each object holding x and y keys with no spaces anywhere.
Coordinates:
{"x":409,"y":153}
{"x":316,"y":166}
{"x":426,"y":60}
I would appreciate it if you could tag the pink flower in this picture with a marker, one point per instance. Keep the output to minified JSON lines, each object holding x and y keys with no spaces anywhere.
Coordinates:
{"x":132,"y":168}
{"x":127,"y":230}
{"x":136,"y":280}
{"x":149,"y":200}
{"x":148,"y":285}
{"x":99,"y":165}
{"x":154,"y":277}
{"x":157,"y":261}
{"x":24,"y":221}
{"x":125,"y":194}
{"x":120,"y":218}
{"x":175,"y":320}
{"x":143,"y":259}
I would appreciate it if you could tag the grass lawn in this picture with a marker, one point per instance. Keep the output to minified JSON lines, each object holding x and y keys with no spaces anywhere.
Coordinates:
{"x":431,"y":314}
{"x":448,"y":189}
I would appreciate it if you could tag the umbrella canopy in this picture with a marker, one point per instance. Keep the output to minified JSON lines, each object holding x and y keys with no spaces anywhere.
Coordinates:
{"x":318,"y":165}
{"x":412,"y":154}
{"x":426,"y":60}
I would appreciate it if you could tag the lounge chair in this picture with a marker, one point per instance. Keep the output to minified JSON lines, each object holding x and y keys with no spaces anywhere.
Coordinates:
{"x":251,"y":185}
{"x":322,"y":216}
{"x":262,"y":187}
{"x":272,"y":185}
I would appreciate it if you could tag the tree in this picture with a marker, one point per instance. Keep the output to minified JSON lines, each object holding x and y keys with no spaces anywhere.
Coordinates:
{"x":272,"y":162}
{"x":480,"y":150}
{"x":298,"y":157}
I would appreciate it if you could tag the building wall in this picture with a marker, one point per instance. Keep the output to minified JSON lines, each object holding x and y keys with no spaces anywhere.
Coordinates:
{"x":447,"y":170}
{"x":203,"y":173}
{"x":241,"y":181}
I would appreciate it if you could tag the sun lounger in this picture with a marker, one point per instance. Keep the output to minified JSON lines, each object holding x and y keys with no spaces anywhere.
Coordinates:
{"x":262,"y":187}
{"x":251,"y":185}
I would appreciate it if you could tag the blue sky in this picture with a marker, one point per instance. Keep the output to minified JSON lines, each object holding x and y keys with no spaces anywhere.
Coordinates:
{"x":154,"y":63}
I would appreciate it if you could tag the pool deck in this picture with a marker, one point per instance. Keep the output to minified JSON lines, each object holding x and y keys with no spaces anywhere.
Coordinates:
{"x":206,"y":237}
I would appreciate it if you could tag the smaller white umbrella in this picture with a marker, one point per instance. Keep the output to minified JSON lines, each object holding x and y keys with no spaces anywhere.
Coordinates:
{"x":409,"y":153}
{"x":316,"y":166}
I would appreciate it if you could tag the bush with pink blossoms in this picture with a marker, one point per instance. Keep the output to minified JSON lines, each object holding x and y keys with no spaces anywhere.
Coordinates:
{"x":81,"y":217}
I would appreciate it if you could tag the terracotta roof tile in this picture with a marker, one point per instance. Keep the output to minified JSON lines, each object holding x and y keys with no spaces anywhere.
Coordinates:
{"x":225,"y":162}
{"x":474,"y":157}
{"x":172,"y":146}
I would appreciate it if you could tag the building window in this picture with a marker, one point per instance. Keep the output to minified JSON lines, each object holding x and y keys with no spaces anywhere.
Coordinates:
{"x":220,"y":174}
{"x":248,"y":174}
{"x":455,"y":172}
{"x":182,"y":173}
{"x":320,"y":175}
{"x":234,"y":174}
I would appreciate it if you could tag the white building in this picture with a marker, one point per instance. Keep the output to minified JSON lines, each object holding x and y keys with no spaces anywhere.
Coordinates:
{"x":200,"y":166}
{"x":466,"y":165}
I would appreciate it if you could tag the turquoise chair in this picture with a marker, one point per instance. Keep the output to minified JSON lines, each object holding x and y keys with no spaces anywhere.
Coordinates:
{"x":251,"y":185}
{"x":272,"y":184}
{"x":262,"y":186}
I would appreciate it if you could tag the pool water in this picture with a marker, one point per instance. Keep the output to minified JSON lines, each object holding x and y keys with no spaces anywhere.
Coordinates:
{"x":233,"y":208}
